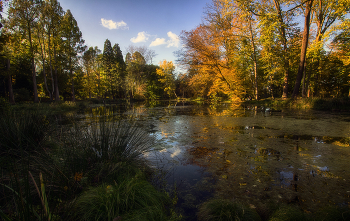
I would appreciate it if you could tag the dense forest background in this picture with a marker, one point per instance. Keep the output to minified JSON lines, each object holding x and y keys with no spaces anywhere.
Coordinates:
{"x":243,"y":49}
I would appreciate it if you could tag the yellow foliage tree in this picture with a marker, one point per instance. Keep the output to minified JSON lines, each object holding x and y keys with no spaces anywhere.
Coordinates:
{"x":167,"y":77}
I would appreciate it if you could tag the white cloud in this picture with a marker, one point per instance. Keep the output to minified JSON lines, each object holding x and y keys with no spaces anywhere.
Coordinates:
{"x":174,"y":40}
{"x":141,"y":37}
{"x":158,"y":41}
{"x":113,"y":25}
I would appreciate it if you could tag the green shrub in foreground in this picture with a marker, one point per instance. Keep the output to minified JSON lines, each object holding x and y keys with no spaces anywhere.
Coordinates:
{"x":132,"y":199}
{"x":226,"y":210}
{"x":289,"y":213}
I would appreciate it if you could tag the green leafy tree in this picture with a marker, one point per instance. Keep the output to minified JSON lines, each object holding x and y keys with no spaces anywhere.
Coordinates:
{"x":23,"y":14}
{"x":307,"y":15}
{"x":136,"y":75}
{"x":108,"y":64}
{"x":119,"y":70}
{"x":73,"y":44}
{"x":92,"y":78}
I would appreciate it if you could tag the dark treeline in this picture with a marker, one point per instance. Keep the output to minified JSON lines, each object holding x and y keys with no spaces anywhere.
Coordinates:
{"x":242,"y":50}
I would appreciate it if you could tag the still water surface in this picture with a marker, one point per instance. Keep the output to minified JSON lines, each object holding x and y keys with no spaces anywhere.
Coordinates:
{"x":250,"y":154}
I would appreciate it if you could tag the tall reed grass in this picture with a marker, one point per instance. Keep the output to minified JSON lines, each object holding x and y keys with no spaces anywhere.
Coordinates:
{"x":47,"y":174}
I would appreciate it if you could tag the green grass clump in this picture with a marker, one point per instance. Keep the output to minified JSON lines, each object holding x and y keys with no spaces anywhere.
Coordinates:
{"x":289,"y":213}
{"x":23,"y":131}
{"x":131,"y":199}
{"x":226,"y":210}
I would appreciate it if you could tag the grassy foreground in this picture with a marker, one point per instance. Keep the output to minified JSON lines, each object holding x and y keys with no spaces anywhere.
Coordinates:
{"x":96,"y":172}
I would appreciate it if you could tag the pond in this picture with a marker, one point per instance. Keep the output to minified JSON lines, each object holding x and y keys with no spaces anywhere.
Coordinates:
{"x":251,"y":154}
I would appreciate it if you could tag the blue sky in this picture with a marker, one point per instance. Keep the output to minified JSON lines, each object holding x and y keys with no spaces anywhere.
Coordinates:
{"x":152,"y":23}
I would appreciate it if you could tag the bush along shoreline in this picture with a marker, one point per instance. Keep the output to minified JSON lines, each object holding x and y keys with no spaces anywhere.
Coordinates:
{"x":321,"y":104}
{"x":95,"y":172}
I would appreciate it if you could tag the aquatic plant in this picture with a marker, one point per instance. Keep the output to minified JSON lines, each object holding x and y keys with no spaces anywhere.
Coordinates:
{"x":226,"y":210}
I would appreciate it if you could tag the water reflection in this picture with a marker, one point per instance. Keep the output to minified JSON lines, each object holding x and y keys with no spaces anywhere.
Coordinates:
{"x":253,"y":154}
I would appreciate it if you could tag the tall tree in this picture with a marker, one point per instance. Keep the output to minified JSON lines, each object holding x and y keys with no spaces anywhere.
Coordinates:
{"x":73,"y":44}
{"x":120,"y":69}
{"x":6,"y":53}
{"x":304,"y":45}
{"x":92,"y":73}
{"x":23,"y":14}
{"x":282,"y":21}
{"x":167,"y":77}
{"x":52,"y":14}
{"x":108,"y":62}
{"x":327,"y":14}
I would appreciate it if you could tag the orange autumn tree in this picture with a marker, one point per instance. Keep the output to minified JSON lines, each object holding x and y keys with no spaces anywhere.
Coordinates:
{"x":210,"y":56}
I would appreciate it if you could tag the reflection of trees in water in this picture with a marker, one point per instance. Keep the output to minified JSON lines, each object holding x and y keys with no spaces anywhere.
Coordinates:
{"x":258,"y":158}
{"x":283,"y":174}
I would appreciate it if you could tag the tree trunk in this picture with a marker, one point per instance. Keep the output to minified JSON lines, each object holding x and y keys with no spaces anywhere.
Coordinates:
{"x":9,"y":82}
{"x":71,"y":75}
{"x":35,"y":89}
{"x":45,"y":82}
{"x":303,"y":48}
{"x":285,"y":49}
{"x":52,"y":79}
{"x":57,"y":94}
{"x":255,"y":61}
{"x":43,"y":53}
{"x":304,"y":79}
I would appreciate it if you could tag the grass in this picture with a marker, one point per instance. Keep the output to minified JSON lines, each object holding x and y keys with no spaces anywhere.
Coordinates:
{"x":50,"y":175}
{"x":289,"y":213}
{"x":131,"y":199}
{"x":226,"y":210}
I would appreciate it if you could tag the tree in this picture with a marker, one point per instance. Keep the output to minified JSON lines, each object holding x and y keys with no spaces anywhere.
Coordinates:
{"x":42,"y":40}
{"x":304,"y":45}
{"x":108,"y":63}
{"x":92,"y":77}
{"x":6,"y":52}
{"x":135,"y":79}
{"x":147,"y":54}
{"x":73,"y":44}
{"x":51,"y":17}
{"x":23,"y":14}
{"x":212,"y":51}
{"x":120,"y":69}
{"x":327,"y":14}
{"x":167,"y":76}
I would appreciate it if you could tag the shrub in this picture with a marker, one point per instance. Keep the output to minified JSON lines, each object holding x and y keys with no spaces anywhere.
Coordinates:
{"x":288,"y":213}
{"x":132,"y":199}
{"x":226,"y":210}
